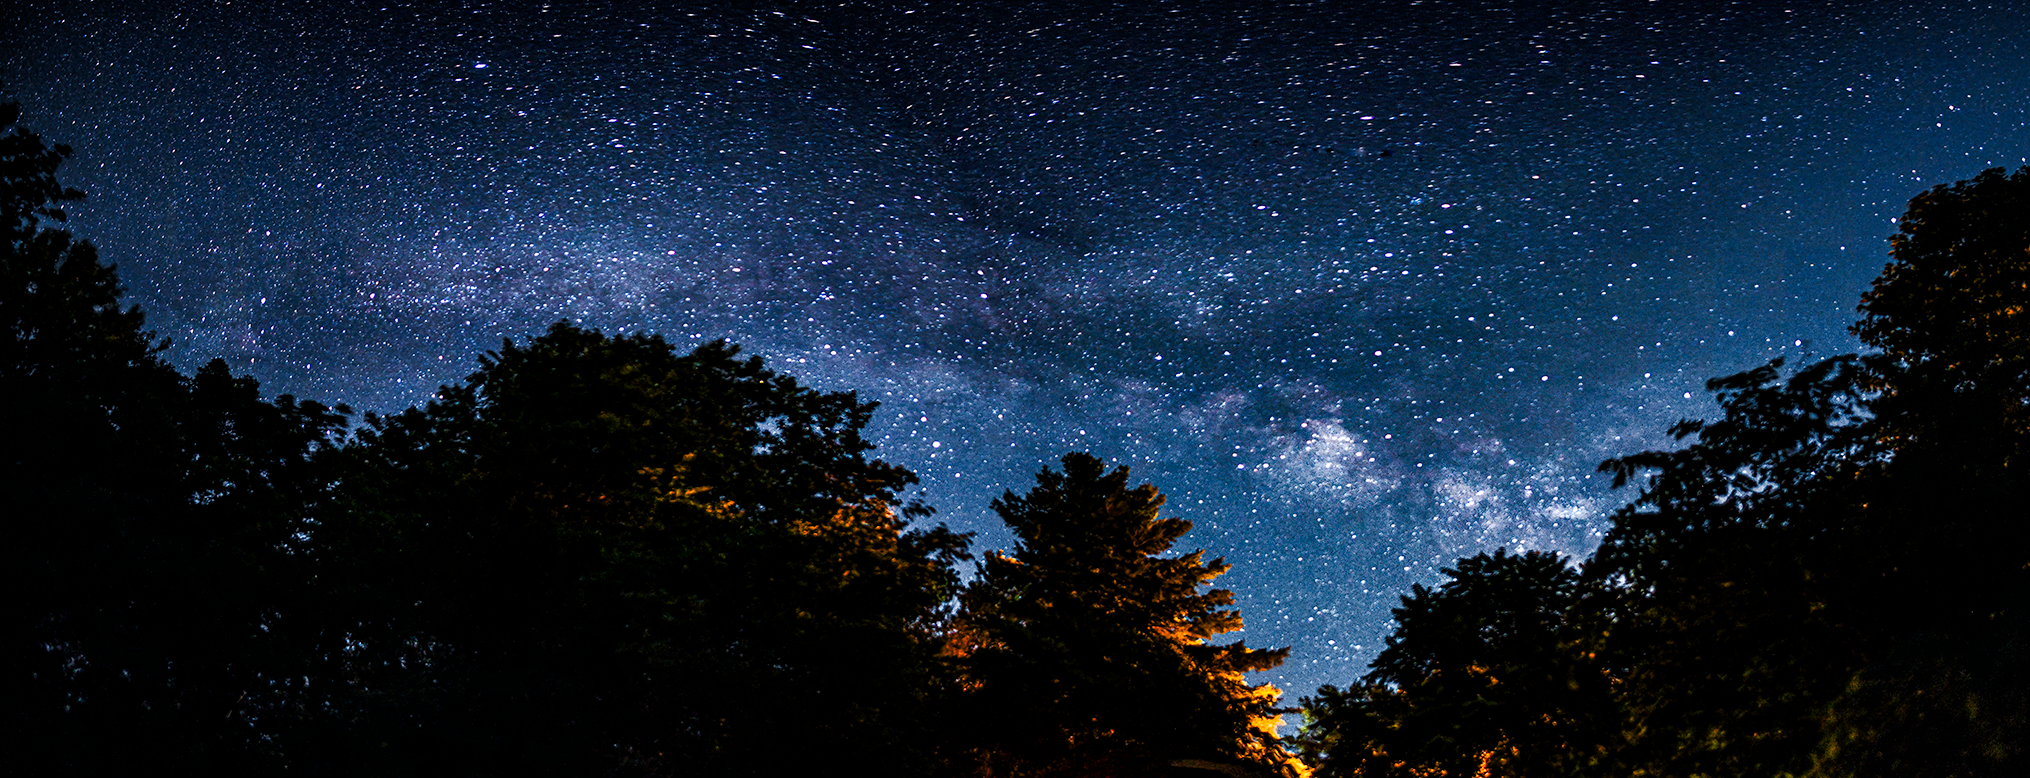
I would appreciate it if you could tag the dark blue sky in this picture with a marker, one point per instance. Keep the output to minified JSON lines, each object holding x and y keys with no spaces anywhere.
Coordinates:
{"x":1364,"y":287}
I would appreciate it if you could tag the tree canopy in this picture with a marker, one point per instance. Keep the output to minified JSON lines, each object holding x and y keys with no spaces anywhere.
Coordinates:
{"x":1490,"y":673}
{"x":150,"y":514}
{"x":1826,"y":581}
{"x":594,"y":555}
{"x":600,"y":554}
{"x":599,"y":551}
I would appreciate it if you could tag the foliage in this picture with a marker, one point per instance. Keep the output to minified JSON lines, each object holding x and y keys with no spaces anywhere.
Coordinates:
{"x":1085,"y":652}
{"x":1495,"y":673}
{"x":1952,"y":298}
{"x":596,"y":553}
{"x":29,"y":191}
{"x":1731,"y":625}
{"x":1821,"y":583}
{"x":149,"y":513}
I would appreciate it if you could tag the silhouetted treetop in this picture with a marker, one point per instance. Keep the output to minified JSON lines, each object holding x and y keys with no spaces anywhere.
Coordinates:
{"x":1493,"y":673}
{"x":604,"y":554}
{"x":1957,"y":291}
{"x":1088,"y":652}
{"x":150,"y":516}
{"x":29,"y":191}
{"x":1819,"y":583}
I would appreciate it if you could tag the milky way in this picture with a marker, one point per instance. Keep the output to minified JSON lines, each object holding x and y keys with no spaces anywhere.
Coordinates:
{"x":1363,"y":287}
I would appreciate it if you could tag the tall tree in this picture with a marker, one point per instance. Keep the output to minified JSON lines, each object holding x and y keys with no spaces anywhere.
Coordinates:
{"x":1086,"y":652}
{"x":147,"y":512}
{"x":1944,"y":691}
{"x":1734,"y":623}
{"x":89,"y":462}
{"x":1844,"y":538}
{"x":598,"y":554}
{"x":1829,"y":579}
{"x":1951,"y":316}
{"x":1845,"y":532}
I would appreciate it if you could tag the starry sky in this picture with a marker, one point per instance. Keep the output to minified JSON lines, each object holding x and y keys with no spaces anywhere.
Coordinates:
{"x":1364,"y":287}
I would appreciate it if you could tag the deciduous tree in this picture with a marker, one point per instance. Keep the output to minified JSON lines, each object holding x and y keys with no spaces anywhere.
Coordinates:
{"x":147,"y":513}
{"x":1494,"y":673}
{"x":1821,"y":580}
{"x":596,"y":553}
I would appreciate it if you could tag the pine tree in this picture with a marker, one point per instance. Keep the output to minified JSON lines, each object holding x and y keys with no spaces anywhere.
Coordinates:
{"x":1086,"y":652}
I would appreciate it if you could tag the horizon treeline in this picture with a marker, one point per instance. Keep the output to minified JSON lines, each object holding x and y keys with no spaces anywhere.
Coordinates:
{"x":593,"y":556}
{"x":599,"y":556}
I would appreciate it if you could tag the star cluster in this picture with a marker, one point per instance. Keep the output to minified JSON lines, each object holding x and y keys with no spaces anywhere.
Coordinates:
{"x":1363,"y":287}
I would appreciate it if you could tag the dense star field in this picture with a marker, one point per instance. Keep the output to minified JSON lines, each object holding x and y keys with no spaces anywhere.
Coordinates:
{"x":1363,"y":287}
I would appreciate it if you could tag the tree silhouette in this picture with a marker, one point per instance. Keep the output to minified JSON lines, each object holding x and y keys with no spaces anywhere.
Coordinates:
{"x":1731,"y":565}
{"x":598,"y":554}
{"x":1793,"y":575}
{"x":1951,"y":300}
{"x":147,"y":512}
{"x":1949,"y":315}
{"x":1493,"y":673}
{"x":1943,"y":691}
{"x":90,"y":466}
{"x":1828,"y":580}
{"x":1085,"y":652}
{"x":29,"y":191}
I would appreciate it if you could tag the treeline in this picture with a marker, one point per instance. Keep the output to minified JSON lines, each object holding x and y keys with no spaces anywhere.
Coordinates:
{"x":1829,"y":580}
{"x":599,"y":556}
{"x":594,"y":556}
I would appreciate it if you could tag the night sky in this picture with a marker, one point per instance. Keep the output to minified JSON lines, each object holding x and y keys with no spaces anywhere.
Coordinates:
{"x":1362,"y":286}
